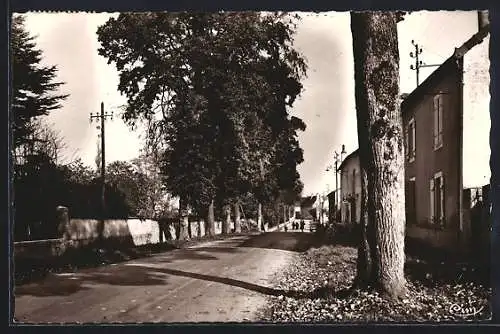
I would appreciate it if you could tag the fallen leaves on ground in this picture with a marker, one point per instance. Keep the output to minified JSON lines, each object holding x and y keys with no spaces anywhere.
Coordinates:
{"x":333,"y":268}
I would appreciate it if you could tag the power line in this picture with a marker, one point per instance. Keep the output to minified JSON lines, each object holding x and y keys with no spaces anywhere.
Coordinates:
{"x":419,"y":63}
{"x":102,"y":117}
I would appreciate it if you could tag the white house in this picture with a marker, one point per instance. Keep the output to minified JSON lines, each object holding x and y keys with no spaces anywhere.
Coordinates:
{"x":350,"y":189}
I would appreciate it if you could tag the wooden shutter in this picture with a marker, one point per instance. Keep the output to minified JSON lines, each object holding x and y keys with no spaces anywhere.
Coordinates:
{"x":436,"y":120}
{"x":431,"y":192}
{"x":441,"y":194}
{"x":414,"y":141}
{"x":440,"y":118}
{"x":407,"y":139}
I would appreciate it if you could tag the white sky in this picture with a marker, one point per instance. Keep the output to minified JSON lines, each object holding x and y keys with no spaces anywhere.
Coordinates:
{"x":327,"y":105}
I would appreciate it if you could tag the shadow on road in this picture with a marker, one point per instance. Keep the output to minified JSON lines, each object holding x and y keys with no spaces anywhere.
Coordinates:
{"x":69,"y":282}
{"x":317,"y":293}
{"x":290,"y":241}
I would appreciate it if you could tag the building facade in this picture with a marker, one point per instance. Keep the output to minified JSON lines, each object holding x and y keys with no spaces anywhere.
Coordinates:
{"x":350,"y":189}
{"x":446,"y":126}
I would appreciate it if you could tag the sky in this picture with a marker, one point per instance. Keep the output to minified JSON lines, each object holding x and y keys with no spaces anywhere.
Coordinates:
{"x":326,"y":105}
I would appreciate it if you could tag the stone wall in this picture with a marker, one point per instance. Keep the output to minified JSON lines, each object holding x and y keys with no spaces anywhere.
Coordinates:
{"x":80,"y":233}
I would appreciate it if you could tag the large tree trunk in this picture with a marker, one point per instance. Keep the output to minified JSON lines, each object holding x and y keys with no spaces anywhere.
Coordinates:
{"x":260,"y":221}
{"x":183,"y":220}
{"x":210,"y":225}
{"x":226,"y":224}
{"x":284,"y":214}
{"x":367,"y":246}
{"x":200,"y":222}
{"x":237,"y":218}
{"x":376,"y":63}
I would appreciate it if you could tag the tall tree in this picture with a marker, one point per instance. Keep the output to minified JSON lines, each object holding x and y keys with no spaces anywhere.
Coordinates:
{"x":34,"y":89}
{"x":376,"y":66}
{"x":210,"y":76}
{"x":34,"y":94}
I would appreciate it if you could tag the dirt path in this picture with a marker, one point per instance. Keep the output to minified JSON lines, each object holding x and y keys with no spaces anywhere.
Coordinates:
{"x":219,"y":281}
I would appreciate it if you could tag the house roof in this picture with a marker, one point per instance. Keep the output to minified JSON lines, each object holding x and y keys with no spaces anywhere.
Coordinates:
{"x":449,"y":64}
{"x":347,"y":158}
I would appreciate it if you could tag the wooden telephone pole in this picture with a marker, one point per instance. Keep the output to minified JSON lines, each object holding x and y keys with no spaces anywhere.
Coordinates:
{"x":418,"y":63}
{"x":102,"y":116}
{"x":338,"y":158}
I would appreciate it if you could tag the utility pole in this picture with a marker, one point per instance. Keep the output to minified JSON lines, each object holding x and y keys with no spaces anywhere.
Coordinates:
{"x":418,"y":63}
{"x":102,"y":116}
{"x":338,"y":158}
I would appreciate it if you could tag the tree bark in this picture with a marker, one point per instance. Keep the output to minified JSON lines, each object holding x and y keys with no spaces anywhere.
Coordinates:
{"x":183,"y":220}
{"x":284,"y":214}
{"x":237,"y":218}
{"x":260,"y":221}
{"x":226,"y":224}
{"x":376,"y":64}
{"x":200,"y":223}
{"x":367,"y":246}
{"x":210,"y":225}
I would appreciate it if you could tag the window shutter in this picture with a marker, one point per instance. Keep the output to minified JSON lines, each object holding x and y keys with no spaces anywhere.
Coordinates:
{"x":436,"y":119}
{"x":431,"y":192}
{"x":440,"y":115}
{"x":407,"y":150}
{"x":441,"y":193}
{"x":414,"y":132}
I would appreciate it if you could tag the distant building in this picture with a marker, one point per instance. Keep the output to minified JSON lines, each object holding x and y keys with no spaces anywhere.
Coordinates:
{"x":446,"y":122}
{"x":296,"y":210}
{"x":350,"y":189}
{"x":323,"y":205}
{"x":309,"y":207}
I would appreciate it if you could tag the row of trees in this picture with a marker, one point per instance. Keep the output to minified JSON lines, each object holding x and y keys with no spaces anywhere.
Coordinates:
{"x":214,"y":90}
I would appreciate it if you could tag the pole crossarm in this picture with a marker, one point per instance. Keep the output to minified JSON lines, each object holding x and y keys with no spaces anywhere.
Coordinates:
{"x":102,"y":116}
{"x":419,"y":63}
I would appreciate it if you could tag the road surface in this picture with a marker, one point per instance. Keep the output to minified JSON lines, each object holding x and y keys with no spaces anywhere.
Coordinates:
{"x":220,"y":281}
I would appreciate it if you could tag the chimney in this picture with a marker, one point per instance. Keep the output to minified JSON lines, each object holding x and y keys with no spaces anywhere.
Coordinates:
{"x":483,"y":19}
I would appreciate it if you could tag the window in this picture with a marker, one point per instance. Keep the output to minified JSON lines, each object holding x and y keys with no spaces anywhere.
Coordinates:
{"x":411,"y":211}
{"x":438,"y":121}
{"x":437,"y":199}
{"x":410,"y":141}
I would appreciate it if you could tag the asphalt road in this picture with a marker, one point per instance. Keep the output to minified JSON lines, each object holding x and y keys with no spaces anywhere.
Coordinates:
{"x":219,"y":281}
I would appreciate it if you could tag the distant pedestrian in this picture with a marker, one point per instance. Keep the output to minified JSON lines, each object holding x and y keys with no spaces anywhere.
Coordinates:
{"x":286,"y":228}
{"x":302,"y":225}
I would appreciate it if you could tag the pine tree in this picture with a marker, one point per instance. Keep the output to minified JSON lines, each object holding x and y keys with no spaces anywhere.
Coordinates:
{"x":34,"y":89}
{"x":34,"y":94}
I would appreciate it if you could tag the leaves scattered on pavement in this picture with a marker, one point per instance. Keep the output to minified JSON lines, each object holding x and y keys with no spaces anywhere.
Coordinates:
{"x":332,"y":268}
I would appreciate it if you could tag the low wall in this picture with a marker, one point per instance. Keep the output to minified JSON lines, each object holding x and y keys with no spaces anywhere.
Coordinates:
{"x":79,"y":233}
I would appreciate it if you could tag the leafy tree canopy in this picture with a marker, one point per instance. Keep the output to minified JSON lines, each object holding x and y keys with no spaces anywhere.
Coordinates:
{"x":215,"y":87}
